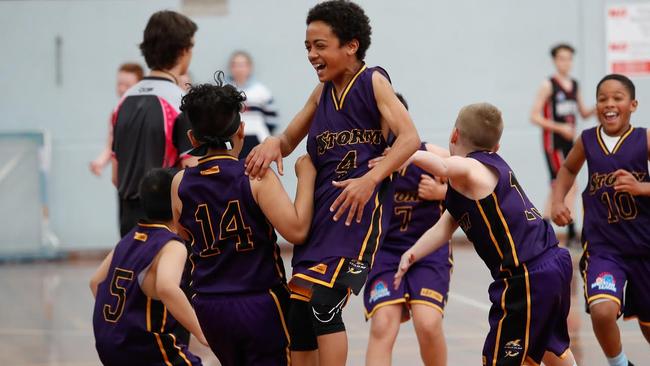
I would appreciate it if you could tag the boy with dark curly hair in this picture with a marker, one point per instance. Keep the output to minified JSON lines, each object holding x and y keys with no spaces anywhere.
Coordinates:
{"x":346,"y":120}
{"x":240,"y":292}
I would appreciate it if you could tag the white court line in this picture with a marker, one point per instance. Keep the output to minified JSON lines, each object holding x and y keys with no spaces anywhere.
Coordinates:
{"x":469,"y":301}
{"x":7,"y":168}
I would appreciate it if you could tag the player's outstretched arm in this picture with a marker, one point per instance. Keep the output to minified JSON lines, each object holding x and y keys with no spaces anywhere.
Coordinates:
{"x":292,"y":220}
{"x":177,"y":205}
{"x":566,"y":176}
{"x":169,"y":270}
{"x":274,"y":148}
{"x":100,"y":274}
{"x":582,"y":108}
{"x":357,"y":191}
{"x":430,"y":241}
{"x":537,"y":116}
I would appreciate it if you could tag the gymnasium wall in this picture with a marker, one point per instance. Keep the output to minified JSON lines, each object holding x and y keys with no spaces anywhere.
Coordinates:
{"x":440,"y":55}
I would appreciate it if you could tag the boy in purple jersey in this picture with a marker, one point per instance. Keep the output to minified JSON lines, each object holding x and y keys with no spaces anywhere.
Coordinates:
{"x":557,"y":106}
{"x":616,"y":228}
{"x":240,"y":292}
{"x":346,"y":120}
{"x":531,"y":291}
{"x":138,"y":283}
{"x":417,"y":202}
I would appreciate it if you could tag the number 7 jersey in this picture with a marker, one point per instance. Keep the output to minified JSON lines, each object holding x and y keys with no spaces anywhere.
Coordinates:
{"x":616,"y":222}
{"x":233,"y":245}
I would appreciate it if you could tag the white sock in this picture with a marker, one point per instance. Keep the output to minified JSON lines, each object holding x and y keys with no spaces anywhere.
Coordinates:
{"x":620,"y":360}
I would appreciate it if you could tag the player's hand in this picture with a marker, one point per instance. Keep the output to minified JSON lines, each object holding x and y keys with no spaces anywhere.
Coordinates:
{"x":304,"y":167}
{"x":260,"y":158}
{"x":373,"y":162}
{"x":567,"y":131}
{"x":355,"y":195}
{"x":96,"y":167}
{"x":408,"y":258}
{"x":626,"y":182}
{"x":561,"y":214}
{"x":428,"y":188}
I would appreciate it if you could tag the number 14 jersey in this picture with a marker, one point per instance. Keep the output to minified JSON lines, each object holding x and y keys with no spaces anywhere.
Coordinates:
{"x":233,"y":245}
{"x":616,"y":222}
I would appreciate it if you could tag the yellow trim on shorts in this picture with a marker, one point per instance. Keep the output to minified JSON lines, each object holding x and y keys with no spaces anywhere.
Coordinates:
{"x":381,"y":305}
{"x":162,"y":350}
{"x":284,"y":325}
{"x":428,"y":303}
{"x":529,"y":305}
{"x":604,"y":296}
{"x":370,"y":230}
{"x":299,"y":297}
{"x":505,"y":313}
{"x":321,"y":282}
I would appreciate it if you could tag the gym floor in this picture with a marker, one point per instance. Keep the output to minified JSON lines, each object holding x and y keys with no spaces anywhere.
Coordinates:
{"x":46,"y":318}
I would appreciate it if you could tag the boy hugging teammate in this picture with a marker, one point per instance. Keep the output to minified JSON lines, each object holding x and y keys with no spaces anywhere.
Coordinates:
{"x":616,"y":229}
{"x":531,"y":291}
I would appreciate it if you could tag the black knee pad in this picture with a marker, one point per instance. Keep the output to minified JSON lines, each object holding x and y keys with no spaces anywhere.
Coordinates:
{"x":326,"y":309}
{"x":301,"y":329}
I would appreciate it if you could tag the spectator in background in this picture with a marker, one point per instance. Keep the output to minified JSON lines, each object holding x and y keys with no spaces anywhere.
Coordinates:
{"x":147,"y":130}
{"x":127,"y":75}
{"x":259,"y":113}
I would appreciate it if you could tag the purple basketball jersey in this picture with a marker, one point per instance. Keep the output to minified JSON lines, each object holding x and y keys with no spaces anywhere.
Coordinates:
{"x":616,"y":222}
{"x":344,"y":135}
{"x":233,"y":246}
{"x":411,"y":215}
{"x":505,"y":228}
{"x":131,"y":328}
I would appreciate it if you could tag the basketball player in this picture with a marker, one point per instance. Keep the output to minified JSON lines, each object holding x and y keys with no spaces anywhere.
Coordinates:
{"x":531,"y":291}
{"x":127,"y":75}
{"x":148,"y":131}
{"x":616,"y":229}
{"x":346,"y":120}
{"x":417,"y":205}
{"x":137,"y":284}
{"x":240,"y":292}
{"x":555,"y":110}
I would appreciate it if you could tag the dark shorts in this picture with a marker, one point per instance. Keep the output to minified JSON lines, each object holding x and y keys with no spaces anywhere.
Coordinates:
{"x":130,"y":213}
{"x":156,"y":349}
{"x":425,"y":283}
{"x":333,"y":272}
{"x":556,"y":150}
{"x":530,"y":306}
{"x":625,"y":281}
{"x":246,"y":329}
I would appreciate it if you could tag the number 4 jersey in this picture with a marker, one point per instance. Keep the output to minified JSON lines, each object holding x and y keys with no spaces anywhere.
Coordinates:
{"x":131,"y":328}
{"x":616,"y":222}
{"x":233,"y":245}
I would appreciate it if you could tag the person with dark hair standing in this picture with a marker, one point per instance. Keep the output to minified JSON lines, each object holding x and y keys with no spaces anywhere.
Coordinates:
{"x":128,"y":75}
{"x":556,"y":108}
{"x":137,"y":285}
{"x":346,"y":119}
{"x":240,"y":291}
{"x":148,"y":131}
{"x":259,"y":113}
{"x":615,"y":264}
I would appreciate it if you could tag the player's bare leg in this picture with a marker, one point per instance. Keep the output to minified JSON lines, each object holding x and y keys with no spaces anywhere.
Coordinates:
{"x":603,"y":320}
{"x":550,"y":359}
{"x":384,"y":326}
{"x":333,"y":349}
{"x":645,"y":329}
{"x":304,"y":358}
{"x":428,"y":328}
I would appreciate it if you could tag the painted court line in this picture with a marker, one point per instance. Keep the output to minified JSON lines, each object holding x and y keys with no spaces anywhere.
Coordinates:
{"x":469,"y":301}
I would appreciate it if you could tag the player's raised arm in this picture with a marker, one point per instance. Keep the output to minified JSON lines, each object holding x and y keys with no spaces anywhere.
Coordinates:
{"x":292,"y":220}
{"x":101,"y":273}
{"x":566,"y":177}
{"x":274,"y":148}
{"x":430,"y":241}
{"x":357,"y":191}
{"x":168,"y":272}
